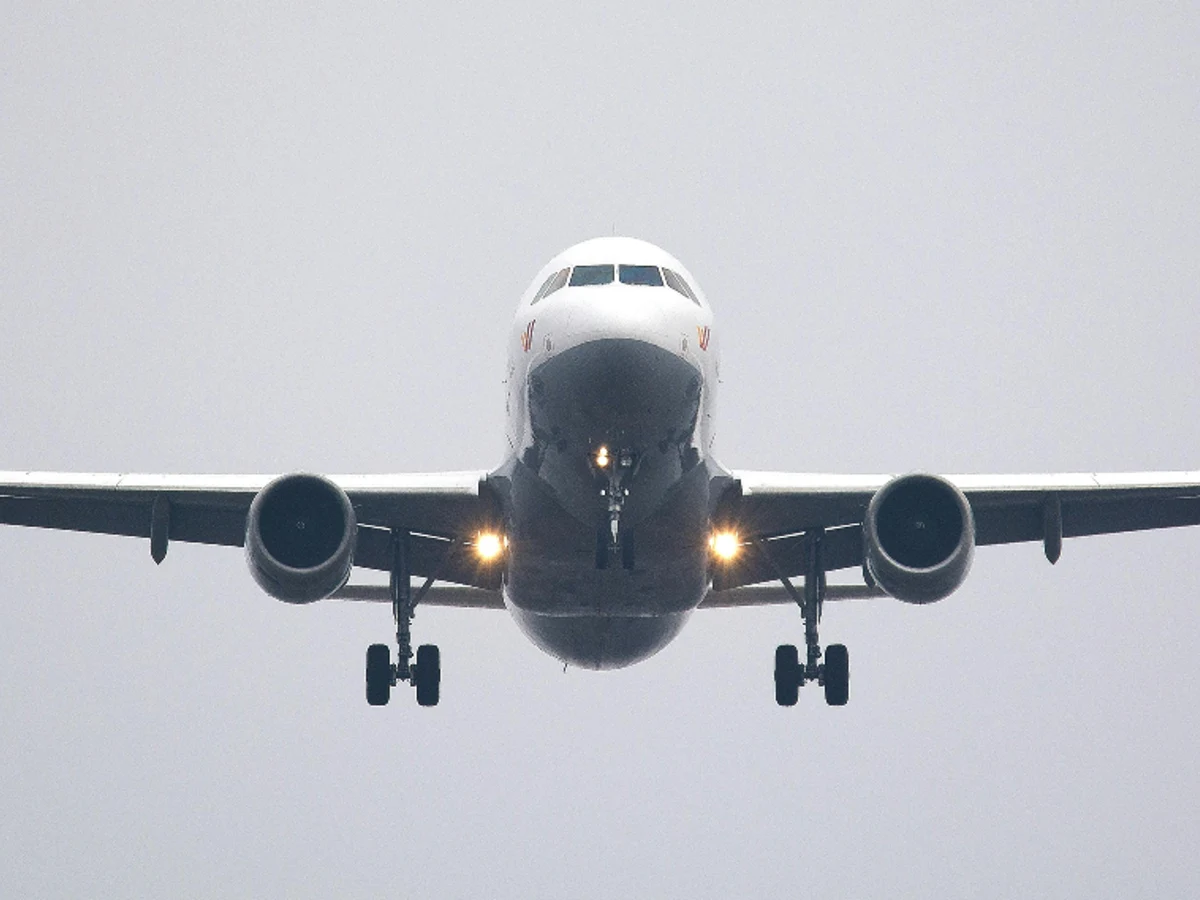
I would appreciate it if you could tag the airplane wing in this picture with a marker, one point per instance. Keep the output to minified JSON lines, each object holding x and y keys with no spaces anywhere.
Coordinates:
{"x":438,"y":508}
{"x":780,"y":508}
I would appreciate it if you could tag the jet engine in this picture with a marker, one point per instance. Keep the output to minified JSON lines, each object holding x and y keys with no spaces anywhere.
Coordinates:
{"x":300,"y":536}
{"x":919,"y":538}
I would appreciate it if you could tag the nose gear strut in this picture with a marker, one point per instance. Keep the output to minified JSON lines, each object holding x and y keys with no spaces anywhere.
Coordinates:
{"x":790,"y":673}
{"x":609,"y":535}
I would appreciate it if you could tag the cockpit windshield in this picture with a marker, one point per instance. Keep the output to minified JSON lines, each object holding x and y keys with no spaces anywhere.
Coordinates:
{"x":647,"y":275}
{"x":607,"y":273}
{"x":582,"y":276}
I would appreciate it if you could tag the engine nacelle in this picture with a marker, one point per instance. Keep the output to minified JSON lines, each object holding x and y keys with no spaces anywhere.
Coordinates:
{"x":919,"y":538}
{"x":300,"y":537}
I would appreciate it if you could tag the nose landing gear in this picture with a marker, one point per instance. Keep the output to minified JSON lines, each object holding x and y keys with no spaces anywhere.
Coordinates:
{"x":610,"y":537}
{"x":790,"y":673}
{"x":426,"y":675}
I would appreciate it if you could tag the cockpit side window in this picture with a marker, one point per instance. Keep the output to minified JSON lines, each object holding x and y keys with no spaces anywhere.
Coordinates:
{"x":676,"y":283}
{"x":647,"y":275}
{"x":552,"y":284}
{"x":544,"y":288}
{"x":582,"y":276}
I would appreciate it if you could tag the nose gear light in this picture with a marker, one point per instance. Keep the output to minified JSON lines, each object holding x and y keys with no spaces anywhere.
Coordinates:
{"x":602,"y":458}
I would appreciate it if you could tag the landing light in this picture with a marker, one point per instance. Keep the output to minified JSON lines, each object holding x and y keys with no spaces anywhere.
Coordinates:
{"x":602,"y":458}
{"x":488,"y":545}
{"x":725,"y":545}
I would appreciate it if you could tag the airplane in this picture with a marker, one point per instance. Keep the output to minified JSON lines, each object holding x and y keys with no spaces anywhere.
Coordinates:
{"x":609,"y":520}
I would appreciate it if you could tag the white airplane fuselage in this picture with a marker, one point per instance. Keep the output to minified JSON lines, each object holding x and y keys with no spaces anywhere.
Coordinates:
{"x":610,"y":397}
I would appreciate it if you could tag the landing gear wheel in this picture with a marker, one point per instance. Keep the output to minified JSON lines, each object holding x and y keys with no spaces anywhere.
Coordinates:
{"x":427,"y":675}
{"x":379,"y":674}
{"x":627,"y":551}
{"x":837,"y":675}
{"x":602,"y":539}
{"x":787,"y":675}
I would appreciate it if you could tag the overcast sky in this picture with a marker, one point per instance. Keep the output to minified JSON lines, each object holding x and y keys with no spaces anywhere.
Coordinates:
{"x":255,"y":240}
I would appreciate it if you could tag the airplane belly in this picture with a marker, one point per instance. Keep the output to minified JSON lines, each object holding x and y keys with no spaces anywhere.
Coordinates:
{"x":599,"y":642}
{"x":552,"y":550}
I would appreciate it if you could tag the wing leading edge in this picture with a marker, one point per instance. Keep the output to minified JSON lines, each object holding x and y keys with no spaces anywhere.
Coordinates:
{"x":780,"y":508}
{"x":441,"y":509}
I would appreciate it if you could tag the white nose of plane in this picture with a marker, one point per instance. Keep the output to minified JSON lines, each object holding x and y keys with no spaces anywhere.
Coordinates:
{"x":659,"y":317}
{"x":614,"y":289}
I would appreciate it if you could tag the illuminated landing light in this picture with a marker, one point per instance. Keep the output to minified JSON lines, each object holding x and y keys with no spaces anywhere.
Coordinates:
{"x":602,"y":458}
{"x":725,"y":545}
{"x":488,"y":546}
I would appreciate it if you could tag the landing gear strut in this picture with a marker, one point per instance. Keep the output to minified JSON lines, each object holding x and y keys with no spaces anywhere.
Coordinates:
{"x":610,"y":537}
{"x":382,"y":676}
{"x":790,"y":673}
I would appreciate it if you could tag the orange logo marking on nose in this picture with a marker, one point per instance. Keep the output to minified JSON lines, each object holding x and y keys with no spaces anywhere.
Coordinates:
{"x":527,"y":336}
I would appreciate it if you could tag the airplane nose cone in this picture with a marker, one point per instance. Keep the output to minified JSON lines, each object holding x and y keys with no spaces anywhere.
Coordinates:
{"x":626,"y":393}
{"x":653,"y":315}
{"x":629,"y":396}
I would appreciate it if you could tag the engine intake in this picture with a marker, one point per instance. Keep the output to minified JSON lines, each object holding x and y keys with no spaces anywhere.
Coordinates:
{"x":300,"y":537}
{"x":919,"y":538}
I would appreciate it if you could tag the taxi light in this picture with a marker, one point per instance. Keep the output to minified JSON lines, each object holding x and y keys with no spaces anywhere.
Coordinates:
{"x":725,"y":545}
{"x":602,"y":458}
{"x":488,"y":546}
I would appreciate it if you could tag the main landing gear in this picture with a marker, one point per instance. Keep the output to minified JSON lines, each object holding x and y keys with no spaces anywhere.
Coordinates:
{"x":790,"y":673}
{"x":426,"y":674}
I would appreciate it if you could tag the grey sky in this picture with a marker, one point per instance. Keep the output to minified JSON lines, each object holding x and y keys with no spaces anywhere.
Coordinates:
{"x":257,"y":240}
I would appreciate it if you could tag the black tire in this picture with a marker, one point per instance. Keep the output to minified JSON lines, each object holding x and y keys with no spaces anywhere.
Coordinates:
{"x":379,"y":674}
{"x":602,"y":547}
{"x":627,"y":551}
{"x":428,"y":675}
{"x":787,"y":675}
{"x":837,"y":675}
